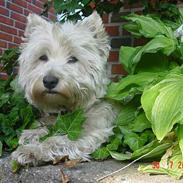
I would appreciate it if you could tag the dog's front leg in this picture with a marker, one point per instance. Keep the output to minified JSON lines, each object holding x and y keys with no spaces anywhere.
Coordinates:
{"x":32,"y":136}
{"x":97,"y":129}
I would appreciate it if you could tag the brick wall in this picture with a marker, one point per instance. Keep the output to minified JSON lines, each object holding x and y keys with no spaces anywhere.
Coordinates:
{"x":118,"y":36}
{"x":13,"y":18}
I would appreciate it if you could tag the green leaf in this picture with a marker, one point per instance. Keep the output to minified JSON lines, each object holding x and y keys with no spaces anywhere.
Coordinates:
{"x":1,"y":148}
{"x":100,"y":154}
{"x":140,"y":123}
{"x":162,"y":104}
{"x":133,"y":56}
{"x":147,"y":26}
{"x":152,"y":150}
{"x":114,"y":144}
{"x":132,"y":28}
{"x":70,"y":124}
{"x":126,"y":115}
{"x":134,"y":141}
{"x":120,"y":156}
{"x":170,"y":164}
{"x":4,"y":99}
{"x":132,"y":85}
{"x":179,"y":133}
{"x":126,"y":54}
{"x":15,"y":166}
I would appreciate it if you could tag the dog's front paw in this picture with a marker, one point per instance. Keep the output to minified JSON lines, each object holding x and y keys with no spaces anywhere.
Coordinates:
{"x":32,"y":136}
{"x":27,"y":154}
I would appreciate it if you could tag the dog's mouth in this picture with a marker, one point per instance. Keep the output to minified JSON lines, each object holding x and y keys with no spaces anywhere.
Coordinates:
{"x":52,"y":92}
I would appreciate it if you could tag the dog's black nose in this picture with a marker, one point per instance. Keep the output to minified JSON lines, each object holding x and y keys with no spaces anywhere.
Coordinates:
{"x":50,"y":82}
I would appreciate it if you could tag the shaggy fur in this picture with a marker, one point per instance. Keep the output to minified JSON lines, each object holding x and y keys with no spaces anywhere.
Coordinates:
{"x":81,"y":83}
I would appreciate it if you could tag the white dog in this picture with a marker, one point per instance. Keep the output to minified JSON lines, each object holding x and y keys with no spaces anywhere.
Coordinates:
{"x":63,"y":67}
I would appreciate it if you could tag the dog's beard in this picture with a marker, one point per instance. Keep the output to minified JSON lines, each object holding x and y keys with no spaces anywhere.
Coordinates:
{"x":66,"y":95}
{"x":51,"y":100}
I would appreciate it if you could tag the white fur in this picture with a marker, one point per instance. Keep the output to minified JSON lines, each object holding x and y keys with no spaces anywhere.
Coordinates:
{"x":81,"y":84}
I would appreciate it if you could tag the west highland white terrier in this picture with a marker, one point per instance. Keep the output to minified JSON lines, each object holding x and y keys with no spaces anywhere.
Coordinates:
{"x":63,"y":67}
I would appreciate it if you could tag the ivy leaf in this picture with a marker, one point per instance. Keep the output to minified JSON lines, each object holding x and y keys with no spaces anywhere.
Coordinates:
{"x":70,"y":124}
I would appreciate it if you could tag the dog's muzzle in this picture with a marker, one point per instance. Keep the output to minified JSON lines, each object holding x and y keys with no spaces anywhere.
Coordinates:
{"x":50,"y":82}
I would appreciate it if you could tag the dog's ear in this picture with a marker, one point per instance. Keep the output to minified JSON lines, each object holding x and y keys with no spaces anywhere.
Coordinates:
{"x":33,"y":21}
{"x":95,"y":25}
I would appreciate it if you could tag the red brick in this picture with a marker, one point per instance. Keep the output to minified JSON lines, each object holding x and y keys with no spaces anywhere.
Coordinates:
{"x":34,"y":9}
{"x":18,"y":17}
{"x":112,"y":30}
{"x":12,"y":45}
{"x":7,"y":29}
{"x":26,"y":12}
{"x":17,"y":40}
{"x":20,"y":25}
{"x":128,"y":5}
{"x":105,"y":18}
{"x":20,"y":33}
{"x":52,"y":10}
{"x":139,"y":42}
{"x":5,"y":36}
{"x":51,"y":16}
{"x":4,"y":11}
{"x":6,"y":20}
{"x":118,"y":69}
{"x":2,"y":2}
{"x":39,"y":4}
{"x":113,"y":56}
{"x":20,"y":2}
{"x":3,"y":76}
{"x":3,"y":44}
{"x":16,"y":8}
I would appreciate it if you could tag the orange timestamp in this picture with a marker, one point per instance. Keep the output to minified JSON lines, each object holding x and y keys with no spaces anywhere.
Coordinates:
{"x":156,"y":164}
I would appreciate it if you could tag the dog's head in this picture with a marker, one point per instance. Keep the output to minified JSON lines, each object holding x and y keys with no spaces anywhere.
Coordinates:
{"x":63,"y":65}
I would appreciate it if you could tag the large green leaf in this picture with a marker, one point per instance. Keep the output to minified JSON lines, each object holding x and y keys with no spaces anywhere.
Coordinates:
{"x":147,"y":26}
{"x":152,"y":150}
{"x":130,"y":57}
{"x":179,"y":133}
{"x":128,"y":87}
{"x":163,"y":105}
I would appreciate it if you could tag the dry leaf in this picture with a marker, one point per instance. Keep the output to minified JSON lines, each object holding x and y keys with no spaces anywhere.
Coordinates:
{"x":71,"y":163}
{"x":59,"y":159}
{"x":64,"y":178}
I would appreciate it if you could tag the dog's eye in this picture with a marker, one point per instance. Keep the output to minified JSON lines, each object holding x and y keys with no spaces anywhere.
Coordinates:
{"x":72,"y":60}
{"x":43,"y":58}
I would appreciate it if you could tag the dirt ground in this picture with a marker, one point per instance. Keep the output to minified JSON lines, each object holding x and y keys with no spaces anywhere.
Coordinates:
{"x":82,"y":173}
